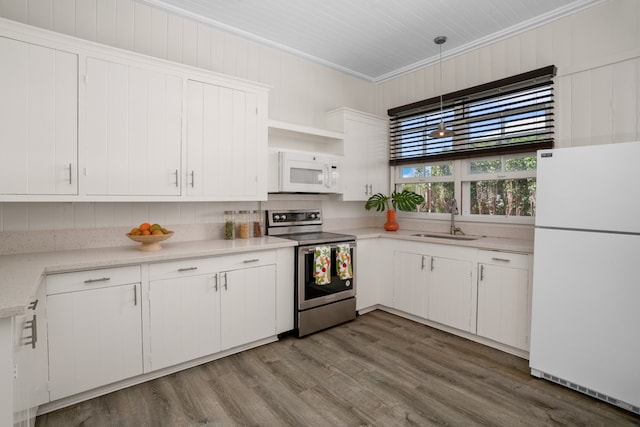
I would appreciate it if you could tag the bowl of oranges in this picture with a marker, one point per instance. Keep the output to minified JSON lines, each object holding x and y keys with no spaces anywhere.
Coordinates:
{"x":150,"y":235}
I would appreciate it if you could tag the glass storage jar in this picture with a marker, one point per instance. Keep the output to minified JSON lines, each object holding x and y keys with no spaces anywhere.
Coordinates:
{"x":258,"y":223}
{"x":244,"y":218}
{"x":229,"y":225}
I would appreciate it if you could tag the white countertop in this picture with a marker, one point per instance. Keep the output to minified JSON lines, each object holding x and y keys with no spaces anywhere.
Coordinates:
{"x":489,"y":243}
{"x":21,"y":274}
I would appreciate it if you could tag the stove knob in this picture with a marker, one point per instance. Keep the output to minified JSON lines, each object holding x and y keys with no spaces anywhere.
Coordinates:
{"x":284,"y":217}
{"x":312,"y":216}
{"x":276,"y":217}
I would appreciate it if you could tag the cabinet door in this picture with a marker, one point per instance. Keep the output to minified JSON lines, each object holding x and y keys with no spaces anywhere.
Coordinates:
{"x":365,"y":168}
{"x":38,"y":119}
{"x":410,"y":282}
{"x":95,"y":338}
{"x":370,"y":260}
{"x":248,"y":304}
{"x":451,"y":293}
{"x":503,"y":301}
{"x":226,"y":143}
{"x":133,"y":130}
{"x":184,"y":319}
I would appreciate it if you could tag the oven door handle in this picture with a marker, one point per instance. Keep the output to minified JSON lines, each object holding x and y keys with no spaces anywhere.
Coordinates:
{"x":311,"y":250}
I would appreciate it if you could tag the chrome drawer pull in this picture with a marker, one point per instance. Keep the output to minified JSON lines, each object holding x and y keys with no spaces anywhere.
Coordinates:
{"x":187,"y":268}
{"x":246,"y":261}
{"x":501,"y":259}
{"x":102,"y":279}
{"x":33,"y":305}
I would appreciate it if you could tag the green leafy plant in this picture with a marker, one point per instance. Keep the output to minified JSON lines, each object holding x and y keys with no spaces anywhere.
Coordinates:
{"x":405,"y":201}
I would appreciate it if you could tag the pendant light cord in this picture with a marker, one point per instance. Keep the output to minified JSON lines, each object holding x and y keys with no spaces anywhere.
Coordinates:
{"x":441,"y":88}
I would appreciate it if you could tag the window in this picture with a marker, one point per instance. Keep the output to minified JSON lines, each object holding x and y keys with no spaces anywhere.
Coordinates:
{"x":489,"y":165}
{"x":435,"y":182}
{"x":504,"y":186}
{"x":498,"y":186}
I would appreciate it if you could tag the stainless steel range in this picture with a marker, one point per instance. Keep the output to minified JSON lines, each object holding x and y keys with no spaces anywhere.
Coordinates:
{"x":325,"y":281}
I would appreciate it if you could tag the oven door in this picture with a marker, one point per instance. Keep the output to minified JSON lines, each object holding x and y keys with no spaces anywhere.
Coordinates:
{"x":313,"y":294}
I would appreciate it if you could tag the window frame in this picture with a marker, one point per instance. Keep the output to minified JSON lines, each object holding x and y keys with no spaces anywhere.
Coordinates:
{"x":462,"y":178}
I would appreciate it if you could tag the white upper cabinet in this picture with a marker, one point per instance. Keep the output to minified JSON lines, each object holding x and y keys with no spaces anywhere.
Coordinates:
{"x":226,"y":143}
{"x":38,"y":119}
{"x":84,"y":122}
{"x":365,"y":167}
{"x":133,"y":130}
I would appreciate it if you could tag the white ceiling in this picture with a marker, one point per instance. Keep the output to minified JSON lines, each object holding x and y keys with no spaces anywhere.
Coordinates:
{"x":373,"y":39}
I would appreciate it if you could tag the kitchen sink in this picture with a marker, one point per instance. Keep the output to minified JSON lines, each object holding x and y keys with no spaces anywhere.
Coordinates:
{"x":447,"y":236}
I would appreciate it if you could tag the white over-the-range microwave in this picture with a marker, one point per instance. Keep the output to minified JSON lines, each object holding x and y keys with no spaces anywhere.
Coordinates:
{"x":301,"y":172}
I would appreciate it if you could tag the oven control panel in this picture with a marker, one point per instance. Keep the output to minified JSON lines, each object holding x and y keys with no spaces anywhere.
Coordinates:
{"x":294,"y":217}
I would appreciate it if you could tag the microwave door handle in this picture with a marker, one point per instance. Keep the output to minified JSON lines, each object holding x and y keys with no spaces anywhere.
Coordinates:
{"x":327,"y":175}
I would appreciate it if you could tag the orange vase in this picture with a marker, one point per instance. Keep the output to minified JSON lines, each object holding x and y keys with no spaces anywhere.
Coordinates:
{"x":391,"y":224}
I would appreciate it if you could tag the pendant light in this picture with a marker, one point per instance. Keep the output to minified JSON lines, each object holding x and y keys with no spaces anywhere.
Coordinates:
{"x":441,"y":131}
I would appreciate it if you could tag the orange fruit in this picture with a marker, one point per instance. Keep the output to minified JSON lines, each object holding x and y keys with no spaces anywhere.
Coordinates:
{"x":145,"y":226}
{"x":157,"y":232}
{"x":146,"y":233}
{"x":135,"y":231}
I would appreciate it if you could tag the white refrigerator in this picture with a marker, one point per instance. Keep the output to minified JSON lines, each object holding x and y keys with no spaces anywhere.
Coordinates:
{"x":585,"y":319}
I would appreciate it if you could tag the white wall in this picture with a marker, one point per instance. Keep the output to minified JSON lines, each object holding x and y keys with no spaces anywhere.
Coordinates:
{"x":597,"y":52}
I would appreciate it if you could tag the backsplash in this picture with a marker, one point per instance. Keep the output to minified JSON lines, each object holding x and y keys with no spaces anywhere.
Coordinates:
{"x":37,"y":227}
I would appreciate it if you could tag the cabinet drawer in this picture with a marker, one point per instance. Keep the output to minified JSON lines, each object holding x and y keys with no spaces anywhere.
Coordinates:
{"x":92,"y":279}
{"x":196,"y":266}
{"x":246,"y":260}
{"x":507,"y":259}
{"x":182,"y":268}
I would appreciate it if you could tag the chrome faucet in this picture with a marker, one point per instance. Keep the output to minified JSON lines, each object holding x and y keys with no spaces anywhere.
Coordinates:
{"x":454,"y":212}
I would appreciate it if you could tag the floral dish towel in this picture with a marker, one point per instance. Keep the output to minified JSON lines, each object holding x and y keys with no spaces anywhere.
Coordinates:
{"x":343,"y":261}
{"x":322,"y":265}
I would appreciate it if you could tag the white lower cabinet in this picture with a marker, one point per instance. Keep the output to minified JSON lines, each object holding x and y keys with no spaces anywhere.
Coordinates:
{"x":199,"y":307}
{"x":451,"y":293}
{"x":411,"y":280}
{"x":30,"y":362}
{"x":184,"y":313}
{"x":94,"y":327}
{"x":437,"y":288}
{"x":369,"y":266}
{"x":248,"y":306}
{"x":504,"y":298}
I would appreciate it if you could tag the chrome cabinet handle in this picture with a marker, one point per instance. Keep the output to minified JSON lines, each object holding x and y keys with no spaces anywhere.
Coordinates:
{"x":102,"y":279}
{"x":481,"y":273}
{"x":370,"y":189}
{"x":33,"y":305}
{"x":247,"y":261}
{"x":187,"y":269}
{"x":33,"y":338}
{"x":501,"y":259}
{"x":135,"y":295}
{"x":193,"y":178}
{"x":70,"y":173}
{"x":432,"y":263}
{"x":224,"y":275}
{"x":422,"y":267}
{"x":215,"y":281}
{"x":176,"y":172}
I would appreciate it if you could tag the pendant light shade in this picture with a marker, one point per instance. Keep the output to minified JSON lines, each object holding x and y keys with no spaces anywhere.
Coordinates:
{"x":441,"y":131}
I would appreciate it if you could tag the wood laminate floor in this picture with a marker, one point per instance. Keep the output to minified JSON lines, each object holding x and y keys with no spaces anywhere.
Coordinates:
{"x":379,"y":370}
